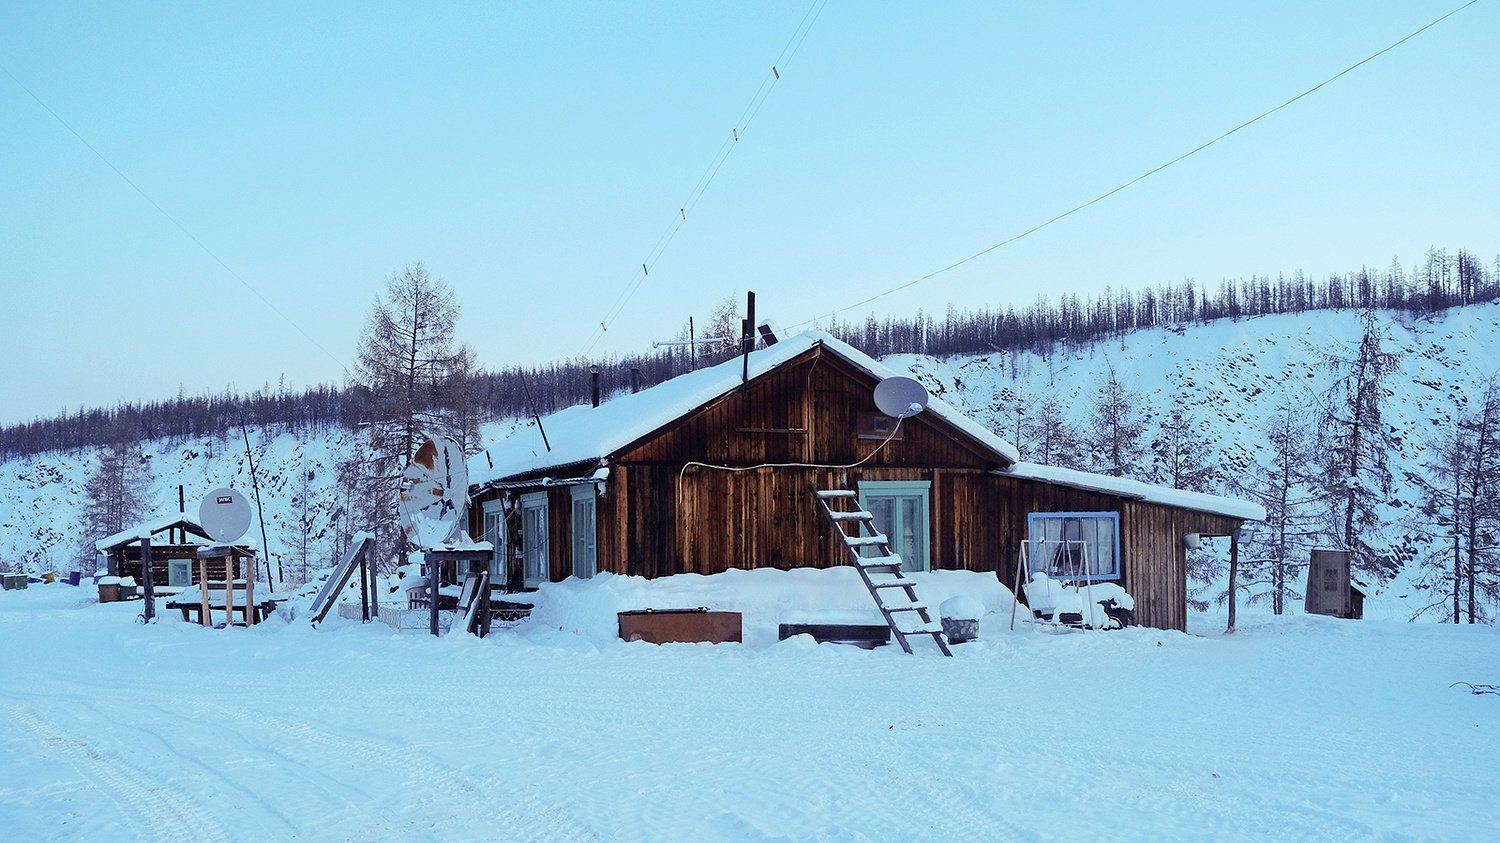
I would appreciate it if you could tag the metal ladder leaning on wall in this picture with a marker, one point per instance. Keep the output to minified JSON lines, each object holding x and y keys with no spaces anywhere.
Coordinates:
{"x":881,"y":572}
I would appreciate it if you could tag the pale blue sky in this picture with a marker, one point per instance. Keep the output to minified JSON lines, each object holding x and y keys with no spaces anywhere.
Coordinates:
{"x":533,"y":154}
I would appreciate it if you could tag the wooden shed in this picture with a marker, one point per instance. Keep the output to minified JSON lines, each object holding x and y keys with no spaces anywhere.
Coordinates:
{"x":175,"y":540}
{"x":716,"y":469}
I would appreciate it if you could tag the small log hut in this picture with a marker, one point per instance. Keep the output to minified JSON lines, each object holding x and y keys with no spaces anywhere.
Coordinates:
{"x":673,"y":479}
{"x":174,"y":557}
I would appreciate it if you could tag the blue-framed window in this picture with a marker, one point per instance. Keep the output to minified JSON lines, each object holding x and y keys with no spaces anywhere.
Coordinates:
{"x":1075,"y":545}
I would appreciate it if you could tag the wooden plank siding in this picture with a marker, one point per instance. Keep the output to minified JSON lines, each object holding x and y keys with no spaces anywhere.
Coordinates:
{"x":1156,"y":558}
{"x":660,"y":516}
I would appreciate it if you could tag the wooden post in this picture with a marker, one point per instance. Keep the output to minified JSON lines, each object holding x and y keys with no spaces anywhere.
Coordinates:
{"x":364,"y":582}
{"x":229,"y":589}
{"x":205,"y":618}
{"x":146,"y":584}
{"x":369,"y":565}
{"x":250,"y":562}
{"x":432,"y":589}
{"x":1234,"y":570}
{"x":484,"y":607}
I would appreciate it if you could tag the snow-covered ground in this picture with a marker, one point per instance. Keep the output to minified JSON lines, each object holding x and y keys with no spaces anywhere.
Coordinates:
{"x":1295,"y":728}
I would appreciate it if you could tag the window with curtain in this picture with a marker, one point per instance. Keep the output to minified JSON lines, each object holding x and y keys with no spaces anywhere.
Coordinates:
{"x":534,"y":557}
{"x":494,"y":533}
{"x":1075,"y":545}
{"x":585,"y":560}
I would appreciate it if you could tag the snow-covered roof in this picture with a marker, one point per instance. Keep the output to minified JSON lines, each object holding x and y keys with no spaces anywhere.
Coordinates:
{"x":1165,"y":495}
{"x":583,"y":433}
{"x":160,"y":524}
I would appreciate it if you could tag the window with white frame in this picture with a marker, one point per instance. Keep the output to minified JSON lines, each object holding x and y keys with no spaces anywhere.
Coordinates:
{"x":535,"y":560}
{"x":179,"y":572}
{"x":494,"y":533}
{"x":585,"y":532}
{"x":1075,"y":545}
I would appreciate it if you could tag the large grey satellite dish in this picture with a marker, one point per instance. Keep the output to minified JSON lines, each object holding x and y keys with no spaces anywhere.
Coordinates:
{"x":901,"y":397}
{"x":224,"y":514}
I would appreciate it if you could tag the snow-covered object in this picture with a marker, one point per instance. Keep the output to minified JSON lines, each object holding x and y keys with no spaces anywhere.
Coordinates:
{"x":1053,"y":599}
{"x":961,"y":607}
{"x":765,"y":597}
{"x":1112,"y":591}
{"x":149,"y":528}
{"x":582,"y":434}
{"x":1125,"y":487}
{"x":109,"y":581}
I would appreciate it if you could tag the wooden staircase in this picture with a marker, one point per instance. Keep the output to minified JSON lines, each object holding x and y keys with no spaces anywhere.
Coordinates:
{"x":881,"y":570}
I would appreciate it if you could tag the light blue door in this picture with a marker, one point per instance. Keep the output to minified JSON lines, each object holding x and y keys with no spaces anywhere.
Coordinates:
{"x":900,"y":509}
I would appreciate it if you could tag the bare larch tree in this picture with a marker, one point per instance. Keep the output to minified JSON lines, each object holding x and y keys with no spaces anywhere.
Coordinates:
{"x":1356,"y":445}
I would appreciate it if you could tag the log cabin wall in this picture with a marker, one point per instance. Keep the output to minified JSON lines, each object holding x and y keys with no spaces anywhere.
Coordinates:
{"x":129,"y":563}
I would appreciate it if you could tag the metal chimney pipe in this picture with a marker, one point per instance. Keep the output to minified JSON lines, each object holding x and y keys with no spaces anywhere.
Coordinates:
{"x":635,"y":379}
{"x":595,"y":371}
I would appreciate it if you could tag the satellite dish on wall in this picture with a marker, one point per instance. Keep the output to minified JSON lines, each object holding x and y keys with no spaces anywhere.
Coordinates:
{"x":901,"y":397}
{"x":435,"y":488}
{"x":224,"y":514}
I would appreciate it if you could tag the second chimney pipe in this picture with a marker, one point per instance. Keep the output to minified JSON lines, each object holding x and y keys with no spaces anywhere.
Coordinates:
{"x":595,"y":395}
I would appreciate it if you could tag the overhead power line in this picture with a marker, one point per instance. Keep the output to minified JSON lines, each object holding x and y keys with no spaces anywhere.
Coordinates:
{"x":1153,"y":171}
{"x":737,"y":132}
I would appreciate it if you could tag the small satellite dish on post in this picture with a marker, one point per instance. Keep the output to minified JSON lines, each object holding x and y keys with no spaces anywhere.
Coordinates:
{"x":224,"y":514}
{"x":901,"y":397}
{"x":435,"y":487}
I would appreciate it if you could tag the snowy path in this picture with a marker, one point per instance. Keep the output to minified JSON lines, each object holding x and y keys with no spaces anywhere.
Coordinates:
{"x":1296,"y":730}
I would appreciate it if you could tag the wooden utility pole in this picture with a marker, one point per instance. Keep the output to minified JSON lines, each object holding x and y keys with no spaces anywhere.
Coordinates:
{"x":1234,"y":570}
{"x":146,"y":583}
{"x":259,"y":513}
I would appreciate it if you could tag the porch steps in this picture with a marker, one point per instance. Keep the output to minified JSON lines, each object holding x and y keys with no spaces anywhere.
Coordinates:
{"x":881,"y":572}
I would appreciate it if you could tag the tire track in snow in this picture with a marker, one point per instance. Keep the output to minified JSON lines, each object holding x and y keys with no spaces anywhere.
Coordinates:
{"x":524,"y":817}
{"x":164,"y":815}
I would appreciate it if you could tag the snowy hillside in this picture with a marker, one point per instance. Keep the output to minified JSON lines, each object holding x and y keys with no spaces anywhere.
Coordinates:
{"x":1234,"y":376}
{"x":1230,"y":375}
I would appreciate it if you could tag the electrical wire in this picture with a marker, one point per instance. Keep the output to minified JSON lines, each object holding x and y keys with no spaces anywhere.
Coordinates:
{"x":1101,"y":197}
{"x":737,"y":133}
{"x":878,"y":448}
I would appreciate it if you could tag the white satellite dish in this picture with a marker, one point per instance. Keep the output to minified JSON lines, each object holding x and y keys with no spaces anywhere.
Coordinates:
{"x":435,"y":487}
{"x":901,"y":397}
{"x":224,"y":514}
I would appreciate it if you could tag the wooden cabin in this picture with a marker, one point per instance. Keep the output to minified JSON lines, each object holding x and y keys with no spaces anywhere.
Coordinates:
{"x":716,"y":469}
{"x":175,"y":540}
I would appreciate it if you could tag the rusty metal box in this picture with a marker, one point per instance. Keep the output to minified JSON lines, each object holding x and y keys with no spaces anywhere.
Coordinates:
{"x":660,"y":626}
